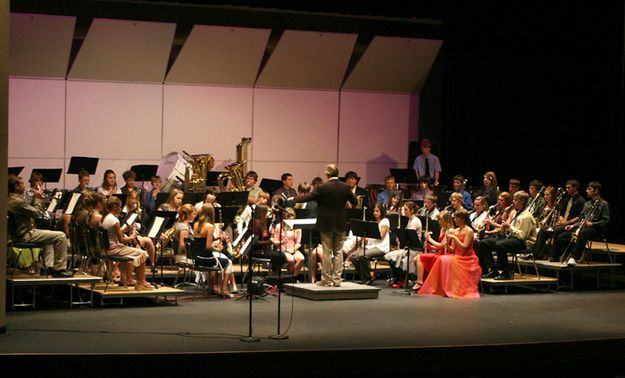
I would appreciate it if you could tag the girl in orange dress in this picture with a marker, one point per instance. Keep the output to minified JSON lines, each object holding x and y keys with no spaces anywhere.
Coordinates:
{"x":425,"y":261}
{"x":456,"y":275}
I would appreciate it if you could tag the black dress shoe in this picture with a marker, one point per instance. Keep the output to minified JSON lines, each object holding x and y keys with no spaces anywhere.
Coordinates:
{"x":491,"y":274}
{"x":504,"y":277}
{"x":61,"y":273}
{"x":554,"y":259}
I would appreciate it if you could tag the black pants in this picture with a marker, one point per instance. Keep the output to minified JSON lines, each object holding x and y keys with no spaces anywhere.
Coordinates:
{"x":562,"y":242}
{"x":277,"y":258}
{"x":538,"y":249}
{"x":502,"y":247}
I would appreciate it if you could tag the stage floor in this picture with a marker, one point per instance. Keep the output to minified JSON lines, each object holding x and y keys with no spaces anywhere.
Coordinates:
{"x":394,"y":320}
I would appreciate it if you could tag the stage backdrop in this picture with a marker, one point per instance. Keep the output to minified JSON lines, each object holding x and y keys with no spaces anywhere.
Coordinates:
{"x":124,"y":124}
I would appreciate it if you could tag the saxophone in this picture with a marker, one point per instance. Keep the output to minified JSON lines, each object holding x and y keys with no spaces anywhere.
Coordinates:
{"x":236,"y":170}
{"x":165,"y":239}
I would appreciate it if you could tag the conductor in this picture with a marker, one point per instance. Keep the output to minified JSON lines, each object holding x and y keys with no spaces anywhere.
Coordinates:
{"x":331,"y":198}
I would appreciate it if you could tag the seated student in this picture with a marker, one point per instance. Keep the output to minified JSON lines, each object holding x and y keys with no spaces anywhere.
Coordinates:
{"x":302,"y":189}
{"x":24,"y":230}
{"x":174,"y":201}
{"x":393,"y":205}
{"x":84,"y":178}
{"x":397,"y":259}
{"x":211,"y":197}
{"x":129,"y":179}
{"x":429,"y":208}
{"x":389,"y":187}
{"x":456,"y":202}
{"x":149,"y":196}
{"x":373,"y":247}
{"x":109,"y":184}
{"x":183,"y":231}
{"x":205,"y":228}
{"x":459,"y":182}
{"x":133,"y":206}
{"x":479,"y":214}
{"x":434,"y":249}
{"x":456,"y":275}
{"x":288,"y":242}
{"x":425,"y":189}
{"x":490,"y":190}
{"x":262,"y":240}
{"x":117,"y":247}
{"x":251,"y":178}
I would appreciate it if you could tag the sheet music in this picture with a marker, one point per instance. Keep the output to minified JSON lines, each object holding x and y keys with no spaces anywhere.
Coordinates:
{"x":131,"y":218}
{"x":52,"y":205}
{"x":247,"y":243}
{"x":156,"y":226}
{"x":72,"y":203}
{"x":293,"y":222}
{"x":240,"y":236}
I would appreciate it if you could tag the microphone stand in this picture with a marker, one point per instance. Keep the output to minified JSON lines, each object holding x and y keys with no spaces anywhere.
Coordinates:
{"x":278,"y":335}
{"x":250,"y":270}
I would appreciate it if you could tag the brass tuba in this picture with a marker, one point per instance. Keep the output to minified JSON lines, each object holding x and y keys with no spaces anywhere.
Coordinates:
{"x":236,"y":170}
{"x":195,"y":172}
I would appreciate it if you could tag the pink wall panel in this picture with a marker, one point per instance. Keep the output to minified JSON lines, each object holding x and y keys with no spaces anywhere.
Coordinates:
{"x":114,"y":120}
{"x":36,"y":118}
{"x":295,"y":126}
{"x":374,"y":132}
{"x":202,"y":119}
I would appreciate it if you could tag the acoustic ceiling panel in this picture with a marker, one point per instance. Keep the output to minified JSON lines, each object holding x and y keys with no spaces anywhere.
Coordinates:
{"x":120,"y":50}
{"x":392,"y":64}
{"x":308,"y":60}
{"x":220,"y":55}
{"x":40,"y":44}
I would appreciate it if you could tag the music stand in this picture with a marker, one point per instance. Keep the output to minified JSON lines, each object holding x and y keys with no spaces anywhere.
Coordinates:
{"x":49,"y":175}
{"x":144,"y":172}
{"x":161,"y":198}
{"x":404,"y":176}
{"x":306,"y":219}
{"x":212,"y":179}
{"x":78,"y":163}
{"x":159,"y":222}
{"x":270,"y":185}
{"x":15,"y":170}
{"x":364,"y":229}
{"x":193,"y":198}
{"x":122,"y":197}
{"x":410,"y":240}
{"x":432,"y":226}
{"x":232,"y":198}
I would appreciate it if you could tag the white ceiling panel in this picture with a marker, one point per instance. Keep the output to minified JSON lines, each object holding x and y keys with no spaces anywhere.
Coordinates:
{"x":120,"y":50}
{"x":308,"y":60}
{"x":220,"y":55}
{"x":393,"y":64}
{"x":40,"y":44}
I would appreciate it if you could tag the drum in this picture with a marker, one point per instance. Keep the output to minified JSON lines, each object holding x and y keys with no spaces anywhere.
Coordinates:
{"x":172,"y":169}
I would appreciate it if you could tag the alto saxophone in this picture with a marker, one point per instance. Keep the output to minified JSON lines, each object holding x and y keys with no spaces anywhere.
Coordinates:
{"x":165,"y":239}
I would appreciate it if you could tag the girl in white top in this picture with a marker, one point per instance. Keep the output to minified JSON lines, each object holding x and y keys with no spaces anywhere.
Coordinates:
{"x":133,"y":206}
{"x":116,"y":247}
{"x":373,"y":247}
{"x":109,"y":184}
{"x":397,"y":259}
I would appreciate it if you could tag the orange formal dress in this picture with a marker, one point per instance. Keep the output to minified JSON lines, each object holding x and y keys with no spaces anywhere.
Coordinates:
{"x":454,"y":275}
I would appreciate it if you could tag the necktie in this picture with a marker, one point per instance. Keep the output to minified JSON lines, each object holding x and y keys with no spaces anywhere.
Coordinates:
{"x":568,"y":209}
{"x":427,"y":167}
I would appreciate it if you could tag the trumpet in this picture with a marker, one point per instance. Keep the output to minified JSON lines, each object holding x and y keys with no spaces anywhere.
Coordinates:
{"x":549,"y":217}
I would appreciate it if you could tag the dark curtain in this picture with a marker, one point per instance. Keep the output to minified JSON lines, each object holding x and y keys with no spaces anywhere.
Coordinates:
{"x":531,"y":92}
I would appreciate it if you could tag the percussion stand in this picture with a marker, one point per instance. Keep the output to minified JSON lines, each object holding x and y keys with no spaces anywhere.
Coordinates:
{"x":278,"y":335}
{"x":250,"y":269}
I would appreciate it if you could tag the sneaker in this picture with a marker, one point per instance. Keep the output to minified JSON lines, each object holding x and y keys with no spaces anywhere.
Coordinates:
{"x":571,"y":262}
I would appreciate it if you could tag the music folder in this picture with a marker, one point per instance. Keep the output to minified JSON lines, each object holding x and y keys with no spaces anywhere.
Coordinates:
{"x":159,"y":222}
{"x":78,"y":163}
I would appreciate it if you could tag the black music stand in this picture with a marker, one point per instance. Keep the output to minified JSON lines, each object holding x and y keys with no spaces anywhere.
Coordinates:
{"x":161,"y":198}
{"x":49,"y":175}
{"x":159,"y":222}
{"x":232,"y":198}
{"x":212,"y":179}
{"x":404,"y":176}
{"x":79,"y":163}
{"x":144,"y":172}
{"x":122,"y":197}
{"x":270,"y":185}
{"x":15,"y":170}
{"x":410,"y":240}
{"x":250,"y":271}
{"x":430,"y":225}
{"x":364,"y":229}
{"x":193,"y":198}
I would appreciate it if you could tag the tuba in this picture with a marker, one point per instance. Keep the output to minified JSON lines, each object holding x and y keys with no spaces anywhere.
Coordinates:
{"x":236,"y":170}
{"x":195,"y":172}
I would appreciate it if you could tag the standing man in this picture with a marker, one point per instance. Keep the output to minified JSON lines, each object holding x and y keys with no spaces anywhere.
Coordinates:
{"x":427,"y":164}
{"x":331,"y":197}
{"x":23,"y":227}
